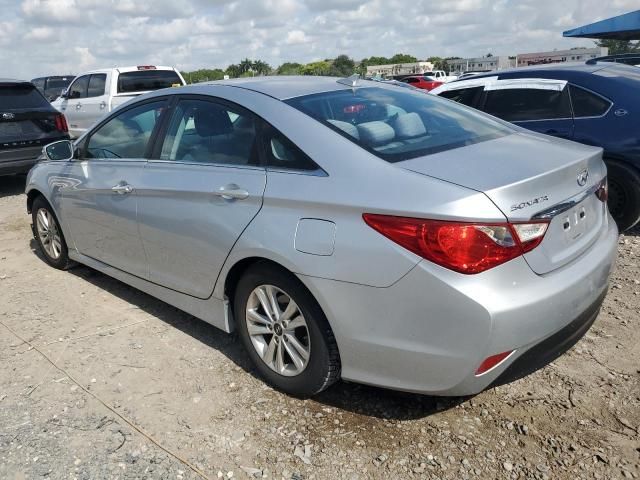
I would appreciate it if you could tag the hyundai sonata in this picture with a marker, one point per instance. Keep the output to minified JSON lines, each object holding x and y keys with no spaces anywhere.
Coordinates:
{"x":345,"y":229}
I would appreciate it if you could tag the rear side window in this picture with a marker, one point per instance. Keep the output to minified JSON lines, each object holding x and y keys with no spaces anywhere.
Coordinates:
{"x":78,"y":88}
{"x":398,"y":124}
{"x":282,"y":153}
{"x":127,"y":134}
{"x":96,"y":85}
{"x":587,"y":104}
{"x":523,"y":104}
{"x":466,"y":96}
{"x":203,"y":131}
{"x":21,"y":96}
{"x":145,"y":80}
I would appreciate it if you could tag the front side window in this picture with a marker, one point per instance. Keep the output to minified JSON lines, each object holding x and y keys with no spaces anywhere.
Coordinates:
{"x":127,"y":134}
{"x":587,"y":104}
{"x":523,"y":104}
{"x":399,"y":124}
{"x":96,"y":85}
{"x":202,"y":131}
{"x":78,"y":88}
{"x":466,"y":96}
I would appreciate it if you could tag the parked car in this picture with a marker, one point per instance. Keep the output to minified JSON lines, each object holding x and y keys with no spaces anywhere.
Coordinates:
{"x":626,"y":58}
{"x":346,"y":229}
{"x":94,"y":94}
{"x":471,"y":73}
{"x":596,"y":104}
{"x":440,"y":76}
{"x":27,"y":123}
{"x":53,"y":86}
{"x":422,"y":82}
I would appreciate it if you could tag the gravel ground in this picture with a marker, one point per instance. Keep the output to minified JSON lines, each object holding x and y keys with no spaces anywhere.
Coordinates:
{"x":99,"y":380}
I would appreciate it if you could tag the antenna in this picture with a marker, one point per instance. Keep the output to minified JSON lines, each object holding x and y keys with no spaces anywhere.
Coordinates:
{"x":351,"y":81}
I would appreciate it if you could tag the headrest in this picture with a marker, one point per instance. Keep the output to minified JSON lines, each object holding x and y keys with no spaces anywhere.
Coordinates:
{"x":346,"y":127}
{"x":375,"y":133}
{"x":212,"y":121}
{"x":409,"y":125}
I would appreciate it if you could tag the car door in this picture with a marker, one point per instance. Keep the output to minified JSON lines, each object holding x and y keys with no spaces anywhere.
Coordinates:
{"x":99,"y":201}
{"x":71,"y":104}
{"x":540,"y":105}
{"x":202,"y":188}
{"x":94,"y":106}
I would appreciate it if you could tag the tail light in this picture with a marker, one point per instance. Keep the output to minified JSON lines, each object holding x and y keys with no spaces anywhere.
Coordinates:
{"x":603,"y":190}
{"x":61,"y":123}
{"x":460,"y":246}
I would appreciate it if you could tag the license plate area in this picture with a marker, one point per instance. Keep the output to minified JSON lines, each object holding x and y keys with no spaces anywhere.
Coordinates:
{"x":575,"y":222}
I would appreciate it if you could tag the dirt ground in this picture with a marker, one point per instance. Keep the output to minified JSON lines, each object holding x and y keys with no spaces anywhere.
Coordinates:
{"x":98,"y":380}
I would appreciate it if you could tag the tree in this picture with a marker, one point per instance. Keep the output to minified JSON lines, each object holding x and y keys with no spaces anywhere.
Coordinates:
{"x":342,"y":66}
{"x":289,"y":68}
{"x":261,"y":68}
{"x":617,"y":47}
{"x":234,"y":70}
{"x":403,"y":58}
{"x":317,"y":68}
{"x":203,"y":75}
{"x":438,"y":63}
{"x":245,"y":65}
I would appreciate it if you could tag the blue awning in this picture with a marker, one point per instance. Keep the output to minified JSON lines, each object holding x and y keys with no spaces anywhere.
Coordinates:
{"x":622,"y":27}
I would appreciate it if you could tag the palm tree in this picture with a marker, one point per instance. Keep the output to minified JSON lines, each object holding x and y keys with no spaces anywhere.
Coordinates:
{"x":246,"y":65}
{"x":261,"y":68}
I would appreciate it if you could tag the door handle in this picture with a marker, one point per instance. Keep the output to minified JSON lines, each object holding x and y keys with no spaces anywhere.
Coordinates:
{"x":122,"y":188}
{"x":102,"y":105}
{"x":78,"y":106}
{"x":231,"y":192}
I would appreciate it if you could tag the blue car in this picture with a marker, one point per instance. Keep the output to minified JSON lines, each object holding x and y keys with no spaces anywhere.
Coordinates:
{"x":597,"y":103}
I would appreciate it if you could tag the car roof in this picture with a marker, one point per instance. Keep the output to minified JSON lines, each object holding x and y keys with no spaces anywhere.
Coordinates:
{"x":565,"y":68}
{"x":285,"y":87}
{"x":12,"y":80}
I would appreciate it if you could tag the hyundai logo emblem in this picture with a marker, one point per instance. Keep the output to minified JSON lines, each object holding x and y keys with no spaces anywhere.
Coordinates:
{"x":8,"y":116}
{"x":583,"y":176}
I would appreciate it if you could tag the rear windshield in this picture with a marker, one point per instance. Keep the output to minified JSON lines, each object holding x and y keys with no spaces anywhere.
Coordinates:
{"x":20,"y":96}
{"x":59,"y":82}
{"x":145,"y":80}
{"x":399,"y":124}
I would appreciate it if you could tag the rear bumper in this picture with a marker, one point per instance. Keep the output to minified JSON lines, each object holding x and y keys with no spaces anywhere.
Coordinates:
{"x":429,"y":332}
{"x":18,"y":160}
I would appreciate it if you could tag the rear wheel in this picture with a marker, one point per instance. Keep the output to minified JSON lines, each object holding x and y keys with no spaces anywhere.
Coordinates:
{"x":49,"y":235}
{"x":624,"y":194}
{"x":285,"y":332}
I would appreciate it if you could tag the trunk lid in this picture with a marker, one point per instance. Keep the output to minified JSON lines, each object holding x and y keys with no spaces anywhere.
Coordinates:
{"x":528,"y":176}
{"x":30,"y":128}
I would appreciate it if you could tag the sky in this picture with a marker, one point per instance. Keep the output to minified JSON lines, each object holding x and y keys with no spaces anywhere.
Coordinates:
{"x":49,"y":37}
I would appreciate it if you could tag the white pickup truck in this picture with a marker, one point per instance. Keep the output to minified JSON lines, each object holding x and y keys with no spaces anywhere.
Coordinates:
{"x":440,"y":76}
{"x":93,"y":94}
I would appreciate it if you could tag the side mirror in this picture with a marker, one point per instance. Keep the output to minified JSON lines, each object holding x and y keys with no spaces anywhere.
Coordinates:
{"x":59,"y":151}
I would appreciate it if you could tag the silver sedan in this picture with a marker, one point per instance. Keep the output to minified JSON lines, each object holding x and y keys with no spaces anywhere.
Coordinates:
{"x":345,"y":229}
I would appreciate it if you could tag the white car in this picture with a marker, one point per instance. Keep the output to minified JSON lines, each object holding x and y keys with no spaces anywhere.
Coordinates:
{"x":93,"y":94}
{"x":440,"y":76}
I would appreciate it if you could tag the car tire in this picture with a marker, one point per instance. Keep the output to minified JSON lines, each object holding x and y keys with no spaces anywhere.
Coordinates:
{"x":48,"y":234}
{"x":624,"y":194}
{"x":278,"y":350}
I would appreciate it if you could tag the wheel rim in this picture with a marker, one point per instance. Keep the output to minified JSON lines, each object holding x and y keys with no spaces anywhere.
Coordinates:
{"x":49,"y":233}
{"x":278,"y":330}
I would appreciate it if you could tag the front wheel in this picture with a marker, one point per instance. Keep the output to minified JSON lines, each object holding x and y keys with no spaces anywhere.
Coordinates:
{"x":624,"y":194}
{"x":285,"y":332}
{"x":48,"y":234}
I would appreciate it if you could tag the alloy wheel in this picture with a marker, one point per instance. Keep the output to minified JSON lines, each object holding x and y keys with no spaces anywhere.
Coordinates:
{"x":278,"y":330}
{"x":49,"y":233}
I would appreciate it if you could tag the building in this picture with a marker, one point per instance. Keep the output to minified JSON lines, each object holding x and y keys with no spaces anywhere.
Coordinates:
{"x":560,"y":56}
{"x":399,"y":69}
{"x":461,"y":65}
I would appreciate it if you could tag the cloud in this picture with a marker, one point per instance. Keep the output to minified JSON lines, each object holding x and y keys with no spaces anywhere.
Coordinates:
{"x":68,"y":36}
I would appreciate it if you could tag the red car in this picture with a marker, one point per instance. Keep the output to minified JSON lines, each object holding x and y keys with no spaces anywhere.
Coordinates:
{"x":421,"y":81}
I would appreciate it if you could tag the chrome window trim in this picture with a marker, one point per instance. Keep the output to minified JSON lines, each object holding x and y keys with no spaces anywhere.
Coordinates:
{"x":594,"y":93}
